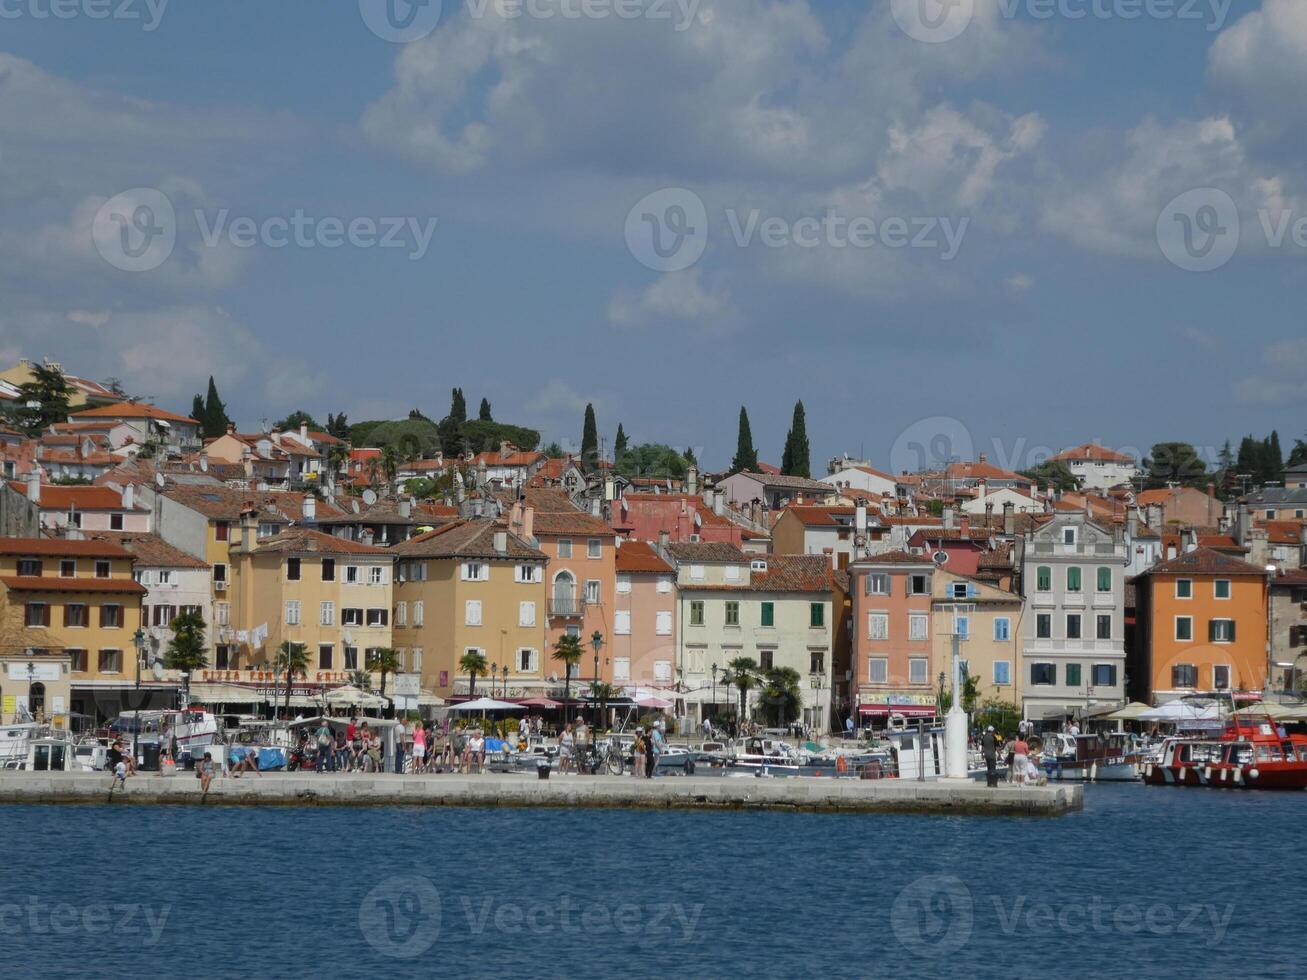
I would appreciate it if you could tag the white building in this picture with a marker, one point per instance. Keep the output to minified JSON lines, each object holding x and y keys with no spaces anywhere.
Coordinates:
{"x":1096,"y":467}
{"x":853,"y":475}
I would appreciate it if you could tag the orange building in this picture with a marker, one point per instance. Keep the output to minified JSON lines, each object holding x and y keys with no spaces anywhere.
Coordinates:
{"x":1201,"y":627}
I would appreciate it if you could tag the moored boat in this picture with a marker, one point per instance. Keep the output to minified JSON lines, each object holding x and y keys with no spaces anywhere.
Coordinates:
{"x":1256,"y":755}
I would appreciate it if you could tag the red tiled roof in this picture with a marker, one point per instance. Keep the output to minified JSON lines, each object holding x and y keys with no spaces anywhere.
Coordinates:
{"x":149,"y":549}
{"x":496,"y":458}
{"x":819,"y":516}
{"x":1282,"y":532}
{"x":640,"y":556}
{"x":467,"y":539}
{"x":1092,"y":452}
{"x":60,"y":548}
{"x":303,"y":541}
{"x":897,"y":558}
{"x":705,"y":551}
{"x":551,"y":522}
{"x":80,"y":497}
{"x":1203,"y":561}
{"x":130,"y":410}
{"x":54,"y":583}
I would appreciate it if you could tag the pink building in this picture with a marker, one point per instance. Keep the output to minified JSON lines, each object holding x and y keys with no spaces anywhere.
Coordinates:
{"x":892,"y":670}
{"x":90,"y":508}
{"x":642,"y":652}
{"x":681,"y":515}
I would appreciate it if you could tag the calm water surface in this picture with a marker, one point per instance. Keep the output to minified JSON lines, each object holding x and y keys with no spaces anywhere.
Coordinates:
{"x":1145,"y":882}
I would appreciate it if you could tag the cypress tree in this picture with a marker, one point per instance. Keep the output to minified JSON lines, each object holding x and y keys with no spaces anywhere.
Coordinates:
{"x":1274,"y":458}
{"x":590,"y":440}
{"x":458,"y":407}
{"x":197,"y":410}
{"x":215,"y":413}
{"x":484,"y":414}
{"x":746,"y":456}
{"x":796,"y":460}
{"x":619,"y":444}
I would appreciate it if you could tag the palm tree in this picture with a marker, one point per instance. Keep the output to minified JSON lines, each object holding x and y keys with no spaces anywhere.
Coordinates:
{"x":338,"y":457}
{"x":384,"y":660}
{"x":568,"y":651}
{"x":473,"y":663}
{"x":360,"y":679}
{"x":292,"y":658}
{"x":782,"y":694}
{"x":742,"y":671}
{"x":390,"y":460}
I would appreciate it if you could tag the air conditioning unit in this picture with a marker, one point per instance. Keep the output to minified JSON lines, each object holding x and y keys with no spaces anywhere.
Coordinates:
{"x":694,"y":539}
{"x":219,"y":586}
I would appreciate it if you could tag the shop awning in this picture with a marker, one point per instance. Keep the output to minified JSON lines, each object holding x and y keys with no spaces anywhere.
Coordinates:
{"x":906,"y":710}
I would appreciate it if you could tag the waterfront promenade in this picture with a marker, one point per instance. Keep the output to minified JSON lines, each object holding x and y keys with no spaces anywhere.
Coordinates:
{"x":567,"y":791}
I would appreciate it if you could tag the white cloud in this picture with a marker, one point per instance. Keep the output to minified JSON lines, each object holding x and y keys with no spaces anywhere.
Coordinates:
{"x":1260,"y":62}
{"x":1280,"y":382}
{"x":676,"y":296}
{"x":557,"y":397}
{"x":1019,"y":283}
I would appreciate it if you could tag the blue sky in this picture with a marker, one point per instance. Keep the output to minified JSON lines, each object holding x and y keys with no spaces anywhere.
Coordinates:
{"x":1056,"y":143}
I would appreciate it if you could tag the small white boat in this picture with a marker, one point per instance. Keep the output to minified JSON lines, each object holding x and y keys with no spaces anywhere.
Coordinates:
{"x":14,"y":743}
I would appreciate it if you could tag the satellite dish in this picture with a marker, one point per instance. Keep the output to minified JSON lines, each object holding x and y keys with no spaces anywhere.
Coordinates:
{"x":940,"y":557}
{"x":553,"y":677}
{"x":355,"y":505}
{"x":157,"y":669}
{"x":159,"y":481}
{"x":369,"y":497}
{"x":204,"y":464}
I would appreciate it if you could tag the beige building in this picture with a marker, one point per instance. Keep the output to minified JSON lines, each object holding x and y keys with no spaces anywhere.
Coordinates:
{"x":987,"y":621}
{"x":301,"y":586}
{"x":473,"y":585}
{"x":69,"y":614}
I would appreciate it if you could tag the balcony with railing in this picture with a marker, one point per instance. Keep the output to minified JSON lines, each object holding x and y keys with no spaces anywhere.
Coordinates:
{"x":566,"y":607}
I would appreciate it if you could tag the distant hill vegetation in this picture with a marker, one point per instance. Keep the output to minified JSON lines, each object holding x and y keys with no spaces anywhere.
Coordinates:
{"x":421,"y":437}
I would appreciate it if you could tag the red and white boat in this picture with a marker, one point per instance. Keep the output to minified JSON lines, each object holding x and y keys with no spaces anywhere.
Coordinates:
{"x":1247,"y":755}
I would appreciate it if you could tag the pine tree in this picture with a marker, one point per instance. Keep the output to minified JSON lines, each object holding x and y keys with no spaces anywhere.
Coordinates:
{"x":590,"y":441}
{"x":619,"y":445}
{"x":1274,"y":459}
{"x":796,"y":460}
{"x":215,"y":413}
{"x":44,"y":400}
{"x":746,"y":457}
{"x":484,"y":414}
{"x":197,"y":410}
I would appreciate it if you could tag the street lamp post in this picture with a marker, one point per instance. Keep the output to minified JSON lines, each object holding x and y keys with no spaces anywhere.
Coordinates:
{"x":714,"y":690}
{"x":138,"y":638}
{"x":503,"y":688}
{"x":596,"y":641}
{"x":494,"y":676}
{"x":31,"y":678}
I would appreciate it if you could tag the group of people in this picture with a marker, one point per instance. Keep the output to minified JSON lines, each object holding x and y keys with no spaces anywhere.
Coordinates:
{"x":353,"y":748}
{"x":650,"y":745}
{"x":1022,"y":766}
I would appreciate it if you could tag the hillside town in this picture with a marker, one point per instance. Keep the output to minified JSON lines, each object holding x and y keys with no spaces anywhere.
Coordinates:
{"x":429,"y":562}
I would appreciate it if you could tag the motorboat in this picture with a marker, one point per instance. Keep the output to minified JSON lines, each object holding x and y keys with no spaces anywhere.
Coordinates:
{"x":1108,"y":757}
{"x":1246,"y":755}
{"x":14,"y":743}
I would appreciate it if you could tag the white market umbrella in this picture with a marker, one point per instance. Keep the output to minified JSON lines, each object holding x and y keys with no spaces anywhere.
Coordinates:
{"x":486,"y":704}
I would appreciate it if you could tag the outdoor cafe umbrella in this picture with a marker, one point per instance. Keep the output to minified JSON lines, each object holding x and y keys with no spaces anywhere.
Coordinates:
{"x":350,"y":695}
{"x":486,"y":704}
{"x":1177,"y":711}
{"x":1131,"y":712}
{"x":652,"y":702}
{"x":540,"y":703}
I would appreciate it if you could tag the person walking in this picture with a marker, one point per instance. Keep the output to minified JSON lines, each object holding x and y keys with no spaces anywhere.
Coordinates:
{"x":989,"y":745}
{"x":638,"y":762}
{"x":1020,"y":756}
{"x":657,"y":747}
{"x":326,"y":749}
{"x":566,"y":748}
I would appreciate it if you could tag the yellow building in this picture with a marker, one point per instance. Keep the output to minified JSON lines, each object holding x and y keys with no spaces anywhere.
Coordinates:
{"x":988,"y":621}
{"x":69,"y":614}
{"x":83,"y":392}
{"x":299,"y":586}
{"x":473,"y":585}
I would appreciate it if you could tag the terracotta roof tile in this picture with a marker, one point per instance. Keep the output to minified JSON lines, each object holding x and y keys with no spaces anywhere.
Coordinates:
{"x":467,"y":539}
{"x":1092,"y":452}
{"x":640,"y":556}
{"x":298,"y":541}
{"x":149,"y":549}
{"x":61,"y":548}
{"x":1203,"y":561}
{"x":706,"y":551}
{"x":53,"y":583}
{"x":129,"y":410}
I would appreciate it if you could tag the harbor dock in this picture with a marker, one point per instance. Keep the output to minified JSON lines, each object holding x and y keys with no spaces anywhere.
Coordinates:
{"x":956,"y":797}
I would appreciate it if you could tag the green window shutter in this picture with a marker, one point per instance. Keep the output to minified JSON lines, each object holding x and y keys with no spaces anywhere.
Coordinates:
{"x":1104,"y":580}
{"x":768,"y":614}
{"x":1073,"y":579}
{"x":816,"y":614}
{"x":1044,"y":579}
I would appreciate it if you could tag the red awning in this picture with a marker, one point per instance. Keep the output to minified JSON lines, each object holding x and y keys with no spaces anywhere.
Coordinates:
{"x":906,"y":710}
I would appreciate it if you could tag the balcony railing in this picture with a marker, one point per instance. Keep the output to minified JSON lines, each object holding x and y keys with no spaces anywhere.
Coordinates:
{"x":565,"y":607}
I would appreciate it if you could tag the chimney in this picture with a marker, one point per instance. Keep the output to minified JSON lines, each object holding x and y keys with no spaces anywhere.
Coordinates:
{"x":1009,"y":518}
{"x":405,"y":507}
{"x":718,"y":502}
{"x":231,"y":428}
{"x":1155,"y":517}
{"x":692,"y":479}
{"x":33,"y":479}
{"x":594,"y":506}
{"x":1245,"y":523}
{"x":982,"y":458}
{"x":948,"y":518}
{"x":477,"y":506}
{"x":249,"y":526}
{"x":989,"y":513}
{"x":982,"y":490}
{"x":663,"y":539}
{"x":304,"y":433}
{"x":1132,"y":523}
{"x":129,"y":496}
{"x":965,"y":524}
{"x":860,"y":519}
{"x":310,"y":508}
{"x":501,"y":542}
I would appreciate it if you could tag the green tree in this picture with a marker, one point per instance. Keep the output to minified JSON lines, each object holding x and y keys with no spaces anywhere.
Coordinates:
{"x":1274,"y":459}
{"x":197,"y":410}
{"x":215,"y":413}
{"x":741,"y":673}
{"x":590,"y":441}
{"x":479,"y":436}
{"x":746,"y":456}
{"x":384,"y":660}
{"x":295,"y":419}
{"x":361,"y":680}
{"x":187,"y":651}
{"x":652,"y":460}
{"x":292,"y":660}
{"x":43,"y":401}
{"x":781,"y":695}
{"x":450,"y":427}
{"x":390,"y":460}
{"x":567,"y":651}
{"x":1003,"y":715}
{"x":796,"y":460}
{"x":338,"y":425}
{"x":1174,"y":462}
{"x":484,"y":414}
{"x":1298,"y":454}
{"x":1058,"y":474}
{"x":554,"y":451}
{"x":619,"y":445}
{"x":473,"y":663}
